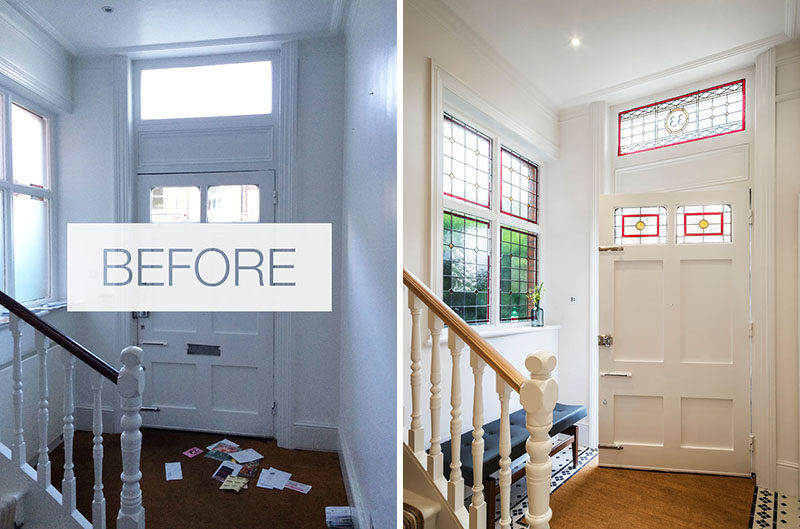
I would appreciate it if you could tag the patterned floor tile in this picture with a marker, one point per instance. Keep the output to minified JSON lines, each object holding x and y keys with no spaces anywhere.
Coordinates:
{"x":771,"y":509}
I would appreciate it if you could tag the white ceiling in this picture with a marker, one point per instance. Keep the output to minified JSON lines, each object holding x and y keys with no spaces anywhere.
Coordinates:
{"x":83,"y":27}
{"x":622,"y":40}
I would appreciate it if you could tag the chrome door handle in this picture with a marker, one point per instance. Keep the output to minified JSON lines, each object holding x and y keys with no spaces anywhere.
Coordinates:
{"x":615,"y":374}
{"x":163,"y":344}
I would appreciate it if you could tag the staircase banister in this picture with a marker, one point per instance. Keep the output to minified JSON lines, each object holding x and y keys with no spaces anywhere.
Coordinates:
{"x":67,"y":343}
{"x":474,"y":341}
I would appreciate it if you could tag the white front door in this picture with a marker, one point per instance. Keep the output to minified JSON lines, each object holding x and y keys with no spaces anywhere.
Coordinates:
{"x":674,"y":300}
{"x":208,"y":371}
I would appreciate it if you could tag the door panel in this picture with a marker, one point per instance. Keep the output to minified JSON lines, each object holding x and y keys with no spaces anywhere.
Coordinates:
{"x":674,"y":384}
{"x":208,"y":371}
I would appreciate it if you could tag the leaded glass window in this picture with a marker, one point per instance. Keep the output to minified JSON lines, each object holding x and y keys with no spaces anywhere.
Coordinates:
{"x":518,"y":272}
{"x":640,"y":225}
{"x":698,"y":115}
{"x":703,"y":224}
{"x":466,"y":265}
{"x":466,"y":163}
{"x":519,"y":186}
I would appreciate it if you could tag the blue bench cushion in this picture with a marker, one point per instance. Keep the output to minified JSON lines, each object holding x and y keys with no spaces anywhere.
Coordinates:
{"x":564,"y":416}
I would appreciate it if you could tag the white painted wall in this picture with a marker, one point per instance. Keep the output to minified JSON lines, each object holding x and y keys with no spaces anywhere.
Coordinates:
{"x":786,"y":281}
{"x":317,"y":197}
{"x":568,"y":198}
{"x":368,"y":396}
{"x":85,"y":147}
{"x":32,"y":63}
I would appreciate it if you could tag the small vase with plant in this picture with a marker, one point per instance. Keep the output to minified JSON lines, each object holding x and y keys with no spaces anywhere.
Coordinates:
{"x":534,"y":295}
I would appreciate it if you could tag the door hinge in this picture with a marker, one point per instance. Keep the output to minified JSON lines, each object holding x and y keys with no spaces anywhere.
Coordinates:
{"x":140,"y":315}
{"x":751,"y":442}
{"x":274,"y":408}
{"x":275,"y":196}
{"x":750,"y":329}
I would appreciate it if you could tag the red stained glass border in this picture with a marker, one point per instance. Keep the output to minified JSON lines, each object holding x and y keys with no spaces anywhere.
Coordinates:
{"x":721,"y":224}
{"x":744,"y":117}
{"x":639,"y":235}
{"x":536,"y":181}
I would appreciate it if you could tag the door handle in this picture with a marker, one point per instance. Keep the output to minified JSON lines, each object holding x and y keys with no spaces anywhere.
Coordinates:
{"x":606,"y":340}
{"x":151,"y":408}
{"x":610,"y":249}
{"x":164,"y":344}
{"x":614,"y":446}
{"x":616,"y":374}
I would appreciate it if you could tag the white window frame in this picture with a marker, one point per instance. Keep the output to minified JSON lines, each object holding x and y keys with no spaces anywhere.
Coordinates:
{"x":8,"y":188}
{"x":452,"y":97}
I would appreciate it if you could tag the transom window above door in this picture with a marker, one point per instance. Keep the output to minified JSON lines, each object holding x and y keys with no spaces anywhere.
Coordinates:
{"x":490,"y":237}
{"x":689,"y":117}
{"x":213,"y":90}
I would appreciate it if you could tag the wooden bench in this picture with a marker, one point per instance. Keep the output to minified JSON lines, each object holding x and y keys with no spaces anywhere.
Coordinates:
{"x":565,"y":419}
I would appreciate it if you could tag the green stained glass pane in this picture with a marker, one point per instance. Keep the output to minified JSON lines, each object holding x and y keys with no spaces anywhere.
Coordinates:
{"x":466,"y":266}
{"x":518,"y":272}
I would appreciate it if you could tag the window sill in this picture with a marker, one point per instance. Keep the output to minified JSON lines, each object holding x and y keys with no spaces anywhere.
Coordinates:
{"x":40,"y":309}
{"x":495,"y":331}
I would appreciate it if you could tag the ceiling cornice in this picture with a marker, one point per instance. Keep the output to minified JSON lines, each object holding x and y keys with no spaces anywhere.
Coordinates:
{"x":749,"y":49}
{"x":39,"y":21}
{"x":449,"y":20}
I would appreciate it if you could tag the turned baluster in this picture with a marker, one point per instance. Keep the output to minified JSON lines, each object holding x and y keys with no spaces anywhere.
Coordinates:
{"x":18,"y":444}
{"x":503,"y":393}
{"x":435,"y":456}
{"x":68,"y":483}
{"x":477,"y":509}
{"x":455,"y":486}
{"x":131,"y":385}
{"x":538,"y":396}
{"x":43,"y":464}
{"x":416,"y":441}
{"x":99,"y":501}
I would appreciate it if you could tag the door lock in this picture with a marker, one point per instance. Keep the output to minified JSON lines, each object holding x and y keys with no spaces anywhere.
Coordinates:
{"x":606,"y":340}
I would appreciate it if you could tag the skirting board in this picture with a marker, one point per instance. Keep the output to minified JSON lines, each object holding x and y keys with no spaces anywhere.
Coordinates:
{"x":787,"y":478}
{"x":315,"y":436}
{"x":361,"y":517}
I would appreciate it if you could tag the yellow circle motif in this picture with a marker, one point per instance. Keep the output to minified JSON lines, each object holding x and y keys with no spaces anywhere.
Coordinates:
{"x":640,"y":225}
{"x":703,"y":224}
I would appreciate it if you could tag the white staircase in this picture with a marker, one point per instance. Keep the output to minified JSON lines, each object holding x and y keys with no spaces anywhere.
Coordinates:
{"x":38,"y":504}
{"x":423,"y":458}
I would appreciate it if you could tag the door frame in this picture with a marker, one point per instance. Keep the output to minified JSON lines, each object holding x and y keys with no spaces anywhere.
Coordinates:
{"x":762,"y":177}
{"x":125,"y":207}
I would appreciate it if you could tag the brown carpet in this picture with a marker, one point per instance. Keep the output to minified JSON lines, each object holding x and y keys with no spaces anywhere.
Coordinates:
{"x":608,"y":498}
{"x":196,"y":501}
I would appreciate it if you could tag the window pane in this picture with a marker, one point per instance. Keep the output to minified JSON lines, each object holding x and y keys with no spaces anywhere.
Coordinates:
{"x":518,"y":272}
{"x":466,"y":266}
{"x":30,"y":247}
{"x":703,"y":224}
{"x":519,"y":186}
{"x":233,"y":203}
{"x":466,"y":162}
{"x":702,"y":114}
{"x":207,"y":91}
{"x":175,"y":204}
{"x":643,"y":225}
{"x":27,"y":147}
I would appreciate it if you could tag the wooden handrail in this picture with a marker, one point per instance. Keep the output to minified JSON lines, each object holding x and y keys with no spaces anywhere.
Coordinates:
{"x":454,"y":323}
{"x":70,"y":345}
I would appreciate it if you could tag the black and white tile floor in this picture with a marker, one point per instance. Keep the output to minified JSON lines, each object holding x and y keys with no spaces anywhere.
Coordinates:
{"x":562,"y":471}
{"x":771,"y":509}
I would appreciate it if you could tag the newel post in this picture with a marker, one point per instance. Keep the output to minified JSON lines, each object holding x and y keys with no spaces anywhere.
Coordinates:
{"x":538,"y":396}
{"x":131,"y":385}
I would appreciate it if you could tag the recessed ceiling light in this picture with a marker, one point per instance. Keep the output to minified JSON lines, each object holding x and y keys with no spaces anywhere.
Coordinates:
{"x":575,"y":42}
{"x":107,"y":9}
